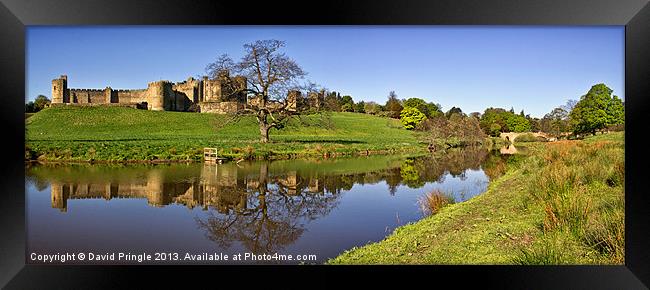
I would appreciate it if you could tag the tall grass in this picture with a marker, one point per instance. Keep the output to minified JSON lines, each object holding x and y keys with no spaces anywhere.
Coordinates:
{"x":432,"y":202}
{"x":579,"y":186}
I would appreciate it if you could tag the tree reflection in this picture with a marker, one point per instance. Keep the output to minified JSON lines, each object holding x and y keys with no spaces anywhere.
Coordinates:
{"x":275,"y":212}
{"x":262,"y":206}
{"x":279,"y":205}
{"x":415,"y":172}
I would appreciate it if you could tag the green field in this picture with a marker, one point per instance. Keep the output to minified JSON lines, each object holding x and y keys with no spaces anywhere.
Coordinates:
{"x":562,"y":203}
{"x":126,"y":134}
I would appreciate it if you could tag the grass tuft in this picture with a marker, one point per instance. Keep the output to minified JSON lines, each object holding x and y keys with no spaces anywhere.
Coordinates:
{"x":432,"y":202}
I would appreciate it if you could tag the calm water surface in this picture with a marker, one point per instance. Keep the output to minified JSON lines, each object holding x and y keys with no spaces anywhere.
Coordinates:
{"x":287,"y":207}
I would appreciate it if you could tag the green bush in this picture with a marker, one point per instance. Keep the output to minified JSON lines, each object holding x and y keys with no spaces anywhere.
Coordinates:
{"x":411,"y":117}
{"x":529,"y":137}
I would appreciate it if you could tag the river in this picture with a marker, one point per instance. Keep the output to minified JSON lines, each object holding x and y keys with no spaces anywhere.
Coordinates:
{"x":290,"y":207}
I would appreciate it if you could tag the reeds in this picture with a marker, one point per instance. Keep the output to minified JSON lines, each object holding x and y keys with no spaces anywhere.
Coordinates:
{"x":579,"y":186}
{"x":432,"y":202}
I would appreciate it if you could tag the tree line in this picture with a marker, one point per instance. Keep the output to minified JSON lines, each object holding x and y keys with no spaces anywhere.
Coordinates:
{"x":597,"y":110}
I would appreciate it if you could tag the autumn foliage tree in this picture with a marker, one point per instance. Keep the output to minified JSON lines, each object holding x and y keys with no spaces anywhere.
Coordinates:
{"x":457,"y":130}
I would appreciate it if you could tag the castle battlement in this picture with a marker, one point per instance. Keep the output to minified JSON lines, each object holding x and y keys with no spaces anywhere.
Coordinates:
{"x":159,"y":82}
{"x":129,"y":90}
{"x":223,"y":94}
{"x":160,"y":95}
{"x":86,"y":90}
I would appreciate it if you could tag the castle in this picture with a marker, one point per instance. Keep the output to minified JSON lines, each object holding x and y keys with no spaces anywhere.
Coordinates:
{"x":220,"y":95}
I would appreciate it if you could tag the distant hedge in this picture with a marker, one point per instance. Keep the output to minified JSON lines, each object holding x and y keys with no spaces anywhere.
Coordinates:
{"x":529,"y":137}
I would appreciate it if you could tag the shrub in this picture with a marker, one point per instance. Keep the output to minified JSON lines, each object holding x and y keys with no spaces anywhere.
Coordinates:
{"x":411,"y":117}
{"x":529,"y":137}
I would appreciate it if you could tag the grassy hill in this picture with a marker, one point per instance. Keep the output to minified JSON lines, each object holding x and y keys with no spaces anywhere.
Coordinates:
{"x":126,"y":134}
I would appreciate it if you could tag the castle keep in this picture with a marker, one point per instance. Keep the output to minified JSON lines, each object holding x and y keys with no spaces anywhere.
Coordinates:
{"x":206,"y":95}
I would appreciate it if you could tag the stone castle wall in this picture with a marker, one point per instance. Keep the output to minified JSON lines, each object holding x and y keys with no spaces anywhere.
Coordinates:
{"x":86,"y":96}
{"x":205,"y":95}
{"x":128,"y":96}
{"x":221,"y":107}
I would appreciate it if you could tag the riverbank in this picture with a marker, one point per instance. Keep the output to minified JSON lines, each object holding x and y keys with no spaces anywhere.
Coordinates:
{"x":561,"y":203}
{"x":97,"y":134}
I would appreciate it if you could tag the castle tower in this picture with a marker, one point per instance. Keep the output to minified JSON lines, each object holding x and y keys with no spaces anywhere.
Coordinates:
{"x":60,"y":90}
{"x":315,"y":99}
{"x":60,"y":193}
{"x":211,"y":90}
{"x":158,"y":94}
{"x":293,"y":97}
{"x":155,"y":189}
{"x":108,"y":92}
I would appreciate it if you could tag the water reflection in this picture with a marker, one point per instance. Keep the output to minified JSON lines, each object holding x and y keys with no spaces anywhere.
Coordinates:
{"x":511,"y":149}
{"x":269,"y":211}
{"x":264,"y":207}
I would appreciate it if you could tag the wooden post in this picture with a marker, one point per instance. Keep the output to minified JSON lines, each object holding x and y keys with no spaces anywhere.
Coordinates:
{"x":210,"y":154}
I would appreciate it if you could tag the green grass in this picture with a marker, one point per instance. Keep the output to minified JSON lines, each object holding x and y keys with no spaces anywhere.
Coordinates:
{"x":125,"y":134}
{"x":562,"y":203}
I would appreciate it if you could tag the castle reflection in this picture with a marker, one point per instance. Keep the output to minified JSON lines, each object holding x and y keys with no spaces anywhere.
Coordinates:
{"x":224,"y":187}
{"x":263,"y":206}
{"x":228,"y":187}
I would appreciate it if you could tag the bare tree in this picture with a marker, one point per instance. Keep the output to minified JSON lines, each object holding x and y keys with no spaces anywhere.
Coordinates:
{"x":271,"y":77}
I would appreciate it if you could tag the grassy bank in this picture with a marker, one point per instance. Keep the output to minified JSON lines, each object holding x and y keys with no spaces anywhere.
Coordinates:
{"x":562,"y":203}
{"x":125,"y":134}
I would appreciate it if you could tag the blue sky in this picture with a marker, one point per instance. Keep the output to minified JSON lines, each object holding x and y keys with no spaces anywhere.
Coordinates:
{"x":533,"y":68}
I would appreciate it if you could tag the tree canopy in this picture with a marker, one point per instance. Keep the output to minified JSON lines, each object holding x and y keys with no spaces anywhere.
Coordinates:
{"x":596,"y":110}
{"x":429,"y":109}
{"x":494,"y":121}
{"x":453,"y":110}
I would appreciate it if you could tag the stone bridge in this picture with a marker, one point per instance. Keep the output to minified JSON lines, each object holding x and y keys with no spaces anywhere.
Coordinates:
{"x":510,"y":136}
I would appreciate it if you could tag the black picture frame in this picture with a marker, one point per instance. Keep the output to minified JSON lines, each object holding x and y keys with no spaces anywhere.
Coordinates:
{"x":16,"y":14}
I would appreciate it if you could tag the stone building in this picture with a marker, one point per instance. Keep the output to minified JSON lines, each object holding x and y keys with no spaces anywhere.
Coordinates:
{"x":315,"y":100}
{"x":205,"y":95}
